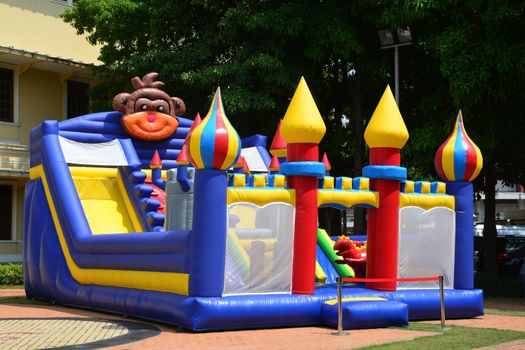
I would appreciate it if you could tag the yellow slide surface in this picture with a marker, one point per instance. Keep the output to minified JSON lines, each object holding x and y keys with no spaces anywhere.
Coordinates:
{"x":104,"y":202}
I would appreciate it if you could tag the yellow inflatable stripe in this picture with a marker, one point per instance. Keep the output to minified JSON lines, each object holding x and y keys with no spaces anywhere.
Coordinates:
{"x":364,"y":184}
{"x":239,"y":180}
{"x":137,"y":225}
{"x":279,"y":181}
{"x":163,"y":174}
{"x":409,"y":186}
{"x":92,"y":173}
{"x":448,"y":155}
{"x":320,"y":276}
{"x":425,"y":187}
{"x":259,"y":181}
{"x":346,"y":183}
{"x":441,"y":188}
{"x":328,"y":183}
{"x":479,"y":161}
{"x":334,"y":301}
{"x":103,"y":206}
{"x":233,"y":143}
{"x":260,"y":197}
{"x":149,"y":280}
{"x":347,"y":198}
{"x":426,"y":201}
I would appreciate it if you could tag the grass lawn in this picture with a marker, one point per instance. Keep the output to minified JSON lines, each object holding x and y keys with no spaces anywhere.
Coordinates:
{"x":505,"y":312}
{"x":455,"y":337}
{"x":12,"y":286}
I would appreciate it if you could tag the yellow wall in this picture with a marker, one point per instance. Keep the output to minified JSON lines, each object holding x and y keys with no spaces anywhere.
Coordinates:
{"x":8,"y":131}
{"x":41,"y":98}
{"x":34,"y":25}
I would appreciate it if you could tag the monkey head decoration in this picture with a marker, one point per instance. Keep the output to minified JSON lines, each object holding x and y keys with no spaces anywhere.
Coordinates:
{"x":149,"y":113}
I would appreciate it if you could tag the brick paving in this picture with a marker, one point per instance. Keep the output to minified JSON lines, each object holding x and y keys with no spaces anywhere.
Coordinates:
{"x":31,"y":326}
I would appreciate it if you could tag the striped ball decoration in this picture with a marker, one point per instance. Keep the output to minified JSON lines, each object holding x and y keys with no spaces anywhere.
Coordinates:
{"x":458,"y":158}
{"x":214,"y":143}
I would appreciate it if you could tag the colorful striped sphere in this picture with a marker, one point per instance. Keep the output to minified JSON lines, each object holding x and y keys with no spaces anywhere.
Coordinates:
{"x":214,"y":143}
{"x":458,"y":158}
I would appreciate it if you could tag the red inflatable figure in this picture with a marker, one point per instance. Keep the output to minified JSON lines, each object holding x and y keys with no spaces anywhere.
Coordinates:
{"x":346,"y":248}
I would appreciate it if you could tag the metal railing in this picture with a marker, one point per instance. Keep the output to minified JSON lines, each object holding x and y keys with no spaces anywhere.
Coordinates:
{"x":340,"y":281}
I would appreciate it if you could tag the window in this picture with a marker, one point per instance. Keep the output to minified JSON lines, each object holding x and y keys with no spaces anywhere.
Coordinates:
{"x":6,"y":95}
{"x":77,"y":99}
{"x":6,"y":212}
{"x":66,"y":2}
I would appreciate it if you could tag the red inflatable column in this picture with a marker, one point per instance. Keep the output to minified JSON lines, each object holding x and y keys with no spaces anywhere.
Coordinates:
{"x":303,"y":280}
{"x":383,"y":230}
{"x":302,"y":129}
{"x":385,"y":134}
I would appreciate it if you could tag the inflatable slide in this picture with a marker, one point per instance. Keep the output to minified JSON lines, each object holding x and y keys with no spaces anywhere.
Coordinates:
{"x":237,"y":250}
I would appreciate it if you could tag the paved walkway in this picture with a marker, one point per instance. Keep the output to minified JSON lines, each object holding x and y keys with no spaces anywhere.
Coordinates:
{"x":29,"y":326}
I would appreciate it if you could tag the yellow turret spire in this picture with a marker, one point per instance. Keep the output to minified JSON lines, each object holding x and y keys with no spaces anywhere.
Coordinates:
{"x":386,"y":127}
{"x":302,"y":122}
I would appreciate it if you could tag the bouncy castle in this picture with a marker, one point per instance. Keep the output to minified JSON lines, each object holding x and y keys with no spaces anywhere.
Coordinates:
{"x":142,"y":212}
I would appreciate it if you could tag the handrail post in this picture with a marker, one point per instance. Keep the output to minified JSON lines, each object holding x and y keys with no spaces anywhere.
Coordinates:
{"x":442,"y":301}
{"x":340,"y":307}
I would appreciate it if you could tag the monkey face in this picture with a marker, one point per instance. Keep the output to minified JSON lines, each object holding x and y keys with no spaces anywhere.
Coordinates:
{"x":150,"y":118}
{"x":145,"y":104}
{"x":149,"y":125}
{"x":149,"y":113}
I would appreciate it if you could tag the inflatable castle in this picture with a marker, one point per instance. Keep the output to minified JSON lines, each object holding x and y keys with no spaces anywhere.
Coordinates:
{"x":144,"y":213}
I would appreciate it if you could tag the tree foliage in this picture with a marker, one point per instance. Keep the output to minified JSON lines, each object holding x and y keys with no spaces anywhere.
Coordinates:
{"x":255,"y":50}
{"x":466,"y":55}
{"x":477,"y":48}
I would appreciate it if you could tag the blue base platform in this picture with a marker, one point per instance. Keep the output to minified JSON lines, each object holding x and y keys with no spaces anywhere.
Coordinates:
{"x":47,"y":277}
{"x":261,"y":311}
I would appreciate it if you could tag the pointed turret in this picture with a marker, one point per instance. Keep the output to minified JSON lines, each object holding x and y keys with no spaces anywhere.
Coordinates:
{"x":155,"y":161}
{"x":302,"y":122}
{"x":183,"y":159}
{"x":326,"y":163}
{"x":386,"y":128}
{"x":275,"y":164}
{"x":278,"y":145}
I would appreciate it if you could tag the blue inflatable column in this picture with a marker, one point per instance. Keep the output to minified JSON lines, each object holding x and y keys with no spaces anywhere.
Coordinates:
{"x":213,"y":146}
{"x":208,"y":236}
{"x":464,"y":255}
{"x":458,"y":161}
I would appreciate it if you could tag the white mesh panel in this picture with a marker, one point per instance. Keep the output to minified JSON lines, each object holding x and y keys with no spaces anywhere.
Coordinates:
{"x":426,"y":245}
{"x":259,"y":248}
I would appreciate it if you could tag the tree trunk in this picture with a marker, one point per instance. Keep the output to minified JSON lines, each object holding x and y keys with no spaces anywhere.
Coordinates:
{"x":490,"y":250}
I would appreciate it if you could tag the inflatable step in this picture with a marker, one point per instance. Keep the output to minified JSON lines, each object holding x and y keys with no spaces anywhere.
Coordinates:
{"x":365,"y":312}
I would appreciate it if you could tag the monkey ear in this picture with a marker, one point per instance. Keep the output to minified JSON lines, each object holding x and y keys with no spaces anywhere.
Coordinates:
{"x":119,"y":102}
{"x":180,"y":106}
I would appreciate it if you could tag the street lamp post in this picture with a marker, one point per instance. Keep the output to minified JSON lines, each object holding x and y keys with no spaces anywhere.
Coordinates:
{"x":388,"y":40}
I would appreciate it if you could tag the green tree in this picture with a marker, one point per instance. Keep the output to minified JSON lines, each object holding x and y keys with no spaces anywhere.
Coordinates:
{"x":478,"y":51}
{"x":255,"y":50}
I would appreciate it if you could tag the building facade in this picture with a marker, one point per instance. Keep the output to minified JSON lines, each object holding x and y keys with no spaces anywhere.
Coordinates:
{"x":45,"y":73}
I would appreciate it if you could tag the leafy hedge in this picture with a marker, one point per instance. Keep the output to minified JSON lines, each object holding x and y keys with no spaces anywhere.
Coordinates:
{"x":11,"y":274}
